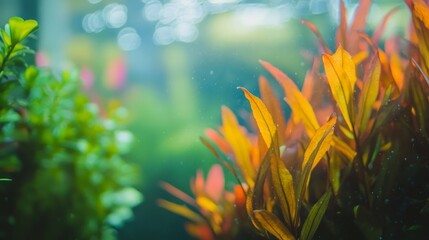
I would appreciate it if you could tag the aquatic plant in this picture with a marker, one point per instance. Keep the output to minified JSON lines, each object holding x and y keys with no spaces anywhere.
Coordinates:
{"x":352,"y":160}
{"x":64,"y":158}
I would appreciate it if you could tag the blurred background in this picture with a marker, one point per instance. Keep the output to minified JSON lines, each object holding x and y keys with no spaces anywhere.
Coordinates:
{"x":172,"y":64}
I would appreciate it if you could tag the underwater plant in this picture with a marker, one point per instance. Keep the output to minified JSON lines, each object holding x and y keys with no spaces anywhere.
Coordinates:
{"x":64,"y":159}
{"x":351,"y":162}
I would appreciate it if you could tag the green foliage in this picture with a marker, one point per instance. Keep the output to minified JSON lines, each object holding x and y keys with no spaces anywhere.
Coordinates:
{"x":65,"y":162}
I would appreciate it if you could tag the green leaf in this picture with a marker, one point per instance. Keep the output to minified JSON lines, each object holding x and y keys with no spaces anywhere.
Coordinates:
{"x":20,"y":28}
{"x":315,"y":217}
{"x":367,"y":222}
{"x":273,"y":225}
{"x":6,"y":38}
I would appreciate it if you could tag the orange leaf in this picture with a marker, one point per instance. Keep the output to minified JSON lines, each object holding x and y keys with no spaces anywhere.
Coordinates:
{"x":302,"y":109}
{"x":239,"y":143}
{"x":273,"y":105}
{"x":341,"y":74}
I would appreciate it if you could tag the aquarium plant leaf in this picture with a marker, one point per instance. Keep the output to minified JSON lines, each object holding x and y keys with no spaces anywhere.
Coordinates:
{"x":223,"y":161}
{"x":397,"y":70}
{"x":420,"y":13}
{"x":220,"y":142}
{"x":262,"y":116}
{"x":239,"y":144}
{"x":283,"y":185}
{"x":273,"y":105}
{"x":281,"y":77}
{"x":340,"y":37}
{"x":341,"y":74}
{"x":344,"y":148}
{"x":215,"y":183}
{"x":181,"y":210}
{"x":316,"y":32}
{"x":207,"y":204}
{"x":368,"y":95}
{"x":178,"y":193}
{"x":358,"y":25}
{"x":302,"y":109}
{"x":380,"y":29}
{"x":315,"y":217}
{"x":318,"y":146}
{"x":273,"y":225}
{"x":250,"y":197}
{"x":367,"y":222}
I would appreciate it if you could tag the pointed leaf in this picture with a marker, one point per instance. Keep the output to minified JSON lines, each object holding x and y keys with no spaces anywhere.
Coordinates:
{"x":368,"y":96}
{"x":273,"y":225}
{"x":215,"y":182}
{"x":178,"y":193}
{"x":317,"y":148}
{"x":283,"y":186}
{"x":319,"y":144}
{"x":358,"y":25}
{"x":273,"y":105}
{"x":340,"y":37}
{"x":239,"y":144}
{"x":302,"y":109}
{"x":282,"y":78}
{"x":207,"y":204}
{"x":181,"y":210}
{"x":316,"y":32}
{"x":262,"y":116}
{"x":315,"y":217}
{"x":224,"y":162}
{"x":341,"y":74}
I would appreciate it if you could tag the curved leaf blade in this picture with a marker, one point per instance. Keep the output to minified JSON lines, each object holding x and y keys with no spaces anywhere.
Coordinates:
{"x":273,"y":225}
{"x":341,"y":73}
{"x":315,"y":217}
{"x":262,"y":116}
{"x":283,"y":186}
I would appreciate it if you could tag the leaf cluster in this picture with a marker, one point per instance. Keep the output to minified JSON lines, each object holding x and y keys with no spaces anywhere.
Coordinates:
{"x":352,"y":160}
{"x":63,"y":156}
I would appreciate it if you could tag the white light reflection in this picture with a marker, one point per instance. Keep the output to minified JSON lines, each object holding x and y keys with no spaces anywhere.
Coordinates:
{"x":93,"y":22}
{"x":164,"y":35}
{"x":254,"y":15}
{"x":186,"y":32}
{"x":152,"y":10}
{"x":115,"y":15}
{"x":128,"y":39}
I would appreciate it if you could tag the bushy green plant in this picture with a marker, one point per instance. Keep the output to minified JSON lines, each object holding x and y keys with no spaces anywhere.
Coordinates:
{"x":63,"y":156}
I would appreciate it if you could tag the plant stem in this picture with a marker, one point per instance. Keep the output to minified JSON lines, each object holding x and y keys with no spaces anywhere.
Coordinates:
{"x":6,"y":58}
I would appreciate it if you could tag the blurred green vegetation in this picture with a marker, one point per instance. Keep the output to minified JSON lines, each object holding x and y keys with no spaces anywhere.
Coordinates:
{"x":64,"y":157}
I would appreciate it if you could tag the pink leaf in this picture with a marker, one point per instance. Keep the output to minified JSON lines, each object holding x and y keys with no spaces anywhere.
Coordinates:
{"x":215,"y":182}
